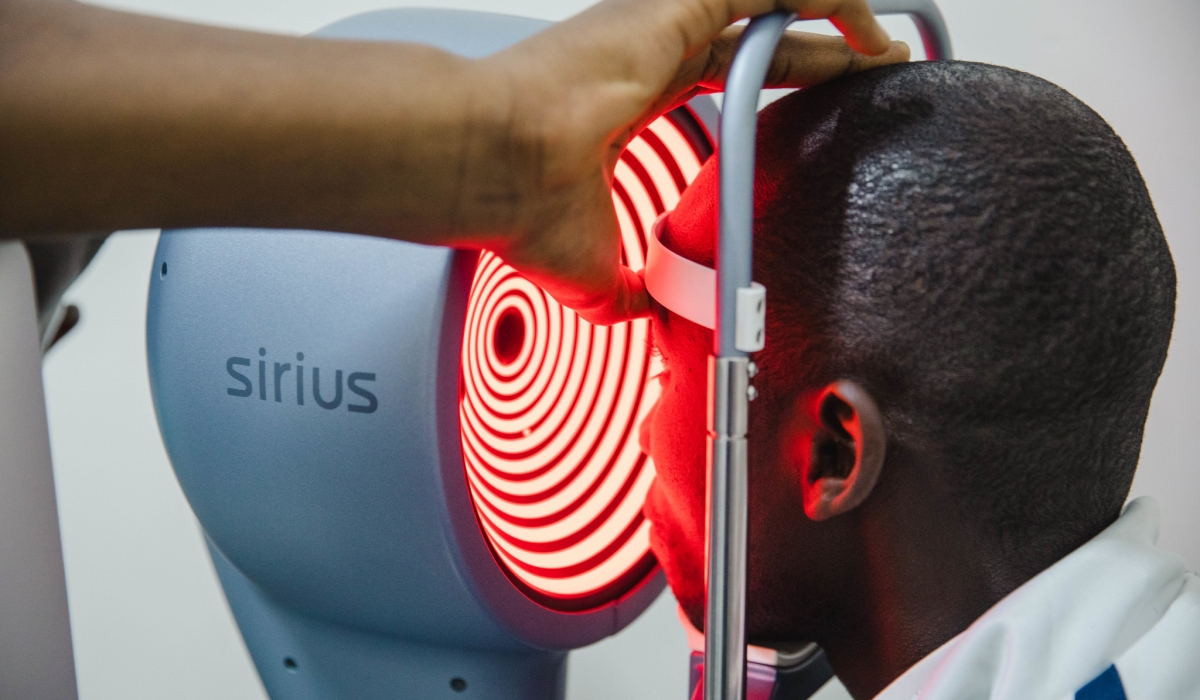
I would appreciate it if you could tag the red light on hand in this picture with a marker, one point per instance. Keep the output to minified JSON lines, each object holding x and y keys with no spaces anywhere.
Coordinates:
{"x":549,"y":407}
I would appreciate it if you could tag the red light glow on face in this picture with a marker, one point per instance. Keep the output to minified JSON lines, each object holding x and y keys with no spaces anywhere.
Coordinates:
{"x":549,"y":405}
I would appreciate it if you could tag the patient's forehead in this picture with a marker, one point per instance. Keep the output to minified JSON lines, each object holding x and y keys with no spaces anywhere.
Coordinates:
{"x":692,"y":225}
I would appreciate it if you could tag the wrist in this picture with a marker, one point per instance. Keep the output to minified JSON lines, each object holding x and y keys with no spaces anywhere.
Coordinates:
{"x":499,"y":174}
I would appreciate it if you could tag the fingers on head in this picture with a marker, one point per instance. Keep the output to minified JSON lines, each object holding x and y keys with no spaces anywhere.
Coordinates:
{"x":898,"y":52}
{"x":804,"y":59}
{"x":704,"y":19}
{"x":853,"y":17}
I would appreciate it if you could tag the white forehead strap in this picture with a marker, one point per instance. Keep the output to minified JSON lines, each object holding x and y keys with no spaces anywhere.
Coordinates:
{"x":684,"y":287}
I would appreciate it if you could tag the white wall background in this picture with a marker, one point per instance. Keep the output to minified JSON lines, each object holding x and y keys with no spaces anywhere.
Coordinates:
{"x":149,"y":619}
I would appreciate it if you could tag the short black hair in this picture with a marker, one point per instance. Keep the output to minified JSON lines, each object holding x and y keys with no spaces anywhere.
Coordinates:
{"x":977,"y":248}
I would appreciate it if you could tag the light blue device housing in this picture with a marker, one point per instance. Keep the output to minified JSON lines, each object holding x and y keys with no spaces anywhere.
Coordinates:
{"x":341,"y":527}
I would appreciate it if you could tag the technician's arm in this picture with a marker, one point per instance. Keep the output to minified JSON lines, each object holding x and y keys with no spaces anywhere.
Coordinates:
{"x":110,"y":120}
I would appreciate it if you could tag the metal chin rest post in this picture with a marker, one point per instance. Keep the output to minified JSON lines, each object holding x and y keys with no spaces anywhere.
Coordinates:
{"x":739,"y":330}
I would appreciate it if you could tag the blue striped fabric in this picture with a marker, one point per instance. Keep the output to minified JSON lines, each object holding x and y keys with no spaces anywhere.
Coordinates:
{"x":1106,"y":686}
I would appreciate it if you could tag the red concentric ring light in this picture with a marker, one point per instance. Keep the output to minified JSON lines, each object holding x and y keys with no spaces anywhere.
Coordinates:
{"x":549,"y":404}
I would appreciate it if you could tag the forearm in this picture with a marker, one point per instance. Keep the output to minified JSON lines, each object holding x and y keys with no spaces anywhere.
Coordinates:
{"x":110,"y":120}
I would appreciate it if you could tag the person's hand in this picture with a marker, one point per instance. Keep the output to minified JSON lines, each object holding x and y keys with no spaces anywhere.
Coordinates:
{"x":582,"y":89}
{"x":111,"y":120}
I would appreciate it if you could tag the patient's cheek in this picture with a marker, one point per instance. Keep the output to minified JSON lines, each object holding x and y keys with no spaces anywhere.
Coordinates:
{"x":675,"y":504}
{"x":676,"y":441}
{"x":677,"y":438}
{"x":680,"y":555}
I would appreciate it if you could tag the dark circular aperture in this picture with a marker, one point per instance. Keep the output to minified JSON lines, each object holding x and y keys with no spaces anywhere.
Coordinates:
{"x":510,"y":336}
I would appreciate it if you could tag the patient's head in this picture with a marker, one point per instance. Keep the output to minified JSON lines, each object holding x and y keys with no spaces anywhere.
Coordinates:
{"x":969,"y":303}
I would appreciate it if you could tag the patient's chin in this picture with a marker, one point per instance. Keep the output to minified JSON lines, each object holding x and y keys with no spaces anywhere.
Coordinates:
{"x":683,"y":576}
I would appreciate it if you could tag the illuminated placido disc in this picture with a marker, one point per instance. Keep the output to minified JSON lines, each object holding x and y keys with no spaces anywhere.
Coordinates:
{"x":549,"y":404}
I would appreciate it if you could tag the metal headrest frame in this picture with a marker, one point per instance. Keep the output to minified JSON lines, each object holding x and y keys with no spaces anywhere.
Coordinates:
{"x":740,"y":315}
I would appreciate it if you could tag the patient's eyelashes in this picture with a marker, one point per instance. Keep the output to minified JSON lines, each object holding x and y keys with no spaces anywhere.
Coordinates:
{"x":652,"y":345}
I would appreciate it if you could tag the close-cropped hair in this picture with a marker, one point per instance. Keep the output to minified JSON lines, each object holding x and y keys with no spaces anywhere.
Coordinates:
{"x":977,"y":248}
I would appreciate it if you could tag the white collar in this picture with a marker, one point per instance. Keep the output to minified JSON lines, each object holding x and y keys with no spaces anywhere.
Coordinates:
{"x":908,"y":685}
{"x":1063,"y":627}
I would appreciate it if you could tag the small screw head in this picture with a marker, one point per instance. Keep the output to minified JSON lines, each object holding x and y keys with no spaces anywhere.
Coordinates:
{"x":752,"y":370}
{"x":751,"y":393}
{"x":458,"y":685}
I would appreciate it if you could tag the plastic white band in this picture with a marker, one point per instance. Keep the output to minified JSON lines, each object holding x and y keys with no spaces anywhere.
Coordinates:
{"x":684,"y":287}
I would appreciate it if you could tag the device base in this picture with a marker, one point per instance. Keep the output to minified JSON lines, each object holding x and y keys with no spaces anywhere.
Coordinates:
{"x":301,"y":658}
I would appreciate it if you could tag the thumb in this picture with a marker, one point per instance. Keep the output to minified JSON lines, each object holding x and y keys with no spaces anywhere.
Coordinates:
{"x":633,"y":301}
{"x":626,"y":300}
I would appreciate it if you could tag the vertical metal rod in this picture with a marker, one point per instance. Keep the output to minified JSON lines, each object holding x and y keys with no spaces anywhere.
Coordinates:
{"x":724,"y":621}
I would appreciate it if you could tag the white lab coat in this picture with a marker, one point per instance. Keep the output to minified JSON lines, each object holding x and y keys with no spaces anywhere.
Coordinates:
{"x":1116,"y":602}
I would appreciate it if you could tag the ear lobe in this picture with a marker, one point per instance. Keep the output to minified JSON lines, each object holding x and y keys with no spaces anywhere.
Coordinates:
{"x":848,"y":444}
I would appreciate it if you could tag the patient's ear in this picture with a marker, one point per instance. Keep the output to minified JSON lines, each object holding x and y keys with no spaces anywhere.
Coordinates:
{"x":839,"y":444}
